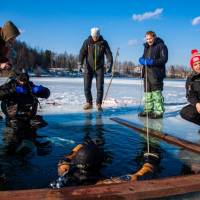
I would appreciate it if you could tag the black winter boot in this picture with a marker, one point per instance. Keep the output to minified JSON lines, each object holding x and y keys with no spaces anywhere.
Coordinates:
{"x":154,"y":115}
{"x":87,"y":106}
{"x":143,"y":114}
{"x":99,"y":108}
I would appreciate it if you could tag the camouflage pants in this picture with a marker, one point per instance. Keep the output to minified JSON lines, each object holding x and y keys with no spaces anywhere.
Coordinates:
{"x":154,"y":102}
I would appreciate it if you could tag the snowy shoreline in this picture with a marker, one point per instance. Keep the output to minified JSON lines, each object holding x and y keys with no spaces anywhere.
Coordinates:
{"x":67,"y":94}
{"x":135,"y":81}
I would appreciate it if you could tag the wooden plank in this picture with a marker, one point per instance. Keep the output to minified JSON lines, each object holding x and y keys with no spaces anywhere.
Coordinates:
{"x":126,"y":191}
{"x":160,"y":135}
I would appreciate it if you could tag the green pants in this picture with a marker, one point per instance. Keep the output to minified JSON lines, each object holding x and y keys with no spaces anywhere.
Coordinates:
{"x":154,"y":102}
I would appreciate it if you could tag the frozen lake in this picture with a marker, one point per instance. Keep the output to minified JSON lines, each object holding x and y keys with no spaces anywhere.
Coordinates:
{"x":69,"y":125}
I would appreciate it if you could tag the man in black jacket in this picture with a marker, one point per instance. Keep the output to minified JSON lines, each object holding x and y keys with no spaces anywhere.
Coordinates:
{"x":191,"y":112}
{"x":93,"y":51}
{"x":20,"y":100}
{"x":153,"y":60}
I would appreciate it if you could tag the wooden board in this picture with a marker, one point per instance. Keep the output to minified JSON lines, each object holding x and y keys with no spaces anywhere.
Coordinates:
{"x":126,"y":191}
{"x":160,"y":135}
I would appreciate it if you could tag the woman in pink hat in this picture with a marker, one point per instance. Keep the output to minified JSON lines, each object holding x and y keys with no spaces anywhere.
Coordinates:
{"x":191,"y":112}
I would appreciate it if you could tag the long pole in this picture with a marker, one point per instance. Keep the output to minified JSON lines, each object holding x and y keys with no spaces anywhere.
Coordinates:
{"x":113,"y":71}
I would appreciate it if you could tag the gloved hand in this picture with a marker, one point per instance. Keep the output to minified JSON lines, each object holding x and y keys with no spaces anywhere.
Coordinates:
{"x":21,"y":90}
{"x":142,"y":61}
{"x":147,"y":61}
{"x":80,"y":68}
{"x":37,"y":89}
{"x":60,"y":182}
{"x":109,"y":68}
{"x":5,"y":66}
{"x":125,"y":178}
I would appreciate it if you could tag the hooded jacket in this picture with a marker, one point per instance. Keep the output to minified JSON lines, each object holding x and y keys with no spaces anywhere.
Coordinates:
{"x":94,"y":52}
{"x":159,"y":53}
{"x":193,"y":88}
{"x":8,"y":31}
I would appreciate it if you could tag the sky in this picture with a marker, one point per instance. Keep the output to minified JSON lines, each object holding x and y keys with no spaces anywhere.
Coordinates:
{"x":61,"y":25}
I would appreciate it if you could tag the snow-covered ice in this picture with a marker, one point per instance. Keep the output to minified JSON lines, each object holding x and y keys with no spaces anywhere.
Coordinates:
{"x":67,"y":94}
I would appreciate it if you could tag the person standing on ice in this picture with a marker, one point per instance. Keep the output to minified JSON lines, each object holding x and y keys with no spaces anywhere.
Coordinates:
{"x":93,"y":51}
{"x":153,"y":60}
{"x":8,"y":34}
{"x":191,"y":112}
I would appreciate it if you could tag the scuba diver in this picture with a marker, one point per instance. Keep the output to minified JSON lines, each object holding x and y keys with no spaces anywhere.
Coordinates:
{"x":84,"y":162}
{"x":81,"y":166}
{"x":20,"y":102}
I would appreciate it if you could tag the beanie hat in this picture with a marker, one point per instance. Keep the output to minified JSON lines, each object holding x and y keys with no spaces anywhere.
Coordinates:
{"x":95,"y":32}
{"x":194,"y":57}
{"x":9,"y":31}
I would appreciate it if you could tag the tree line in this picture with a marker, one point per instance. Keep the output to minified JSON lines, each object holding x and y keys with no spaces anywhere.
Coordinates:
{"x":28,"y":58}
{"x":31,"y":59}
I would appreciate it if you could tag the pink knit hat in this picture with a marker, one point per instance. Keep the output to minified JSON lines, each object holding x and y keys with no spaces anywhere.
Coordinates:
{"x":195,"y":56}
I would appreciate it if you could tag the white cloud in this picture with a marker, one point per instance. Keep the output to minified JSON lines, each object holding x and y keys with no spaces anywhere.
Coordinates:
{"x":22,"y":31}
{"x":132,"y":42}
{"x":196,"y":21}
{"x":148,"y":15}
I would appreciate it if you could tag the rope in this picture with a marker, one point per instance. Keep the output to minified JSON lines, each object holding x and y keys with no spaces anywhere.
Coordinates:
{"x":147,"y":116}
{"x":139,"y":109}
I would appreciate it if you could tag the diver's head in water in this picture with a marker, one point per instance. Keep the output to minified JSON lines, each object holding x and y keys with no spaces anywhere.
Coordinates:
{"x":89,"y":157}
{"x":84,"y":168}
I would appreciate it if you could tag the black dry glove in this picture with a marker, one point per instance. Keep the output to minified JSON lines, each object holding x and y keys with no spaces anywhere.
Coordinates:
{"x":80,"y":68}
{"x":59,"y":182}
{"x":109,"y":68}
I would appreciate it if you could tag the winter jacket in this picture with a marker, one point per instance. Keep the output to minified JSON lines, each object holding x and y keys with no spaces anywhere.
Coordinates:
{"x":159,"y":53}
{"x":193,"y":89}
{"x":8,"y":31}
{"x":14,"y":103}
{"x":3,"y":51}
{"x":94,"y":53}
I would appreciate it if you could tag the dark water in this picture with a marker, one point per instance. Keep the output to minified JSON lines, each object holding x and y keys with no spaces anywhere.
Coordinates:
{"x":123,"y":148}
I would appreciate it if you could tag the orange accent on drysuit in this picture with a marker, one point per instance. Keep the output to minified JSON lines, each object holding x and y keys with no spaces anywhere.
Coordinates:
{"x":146,"y":168}
{"x":64,"y":166}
